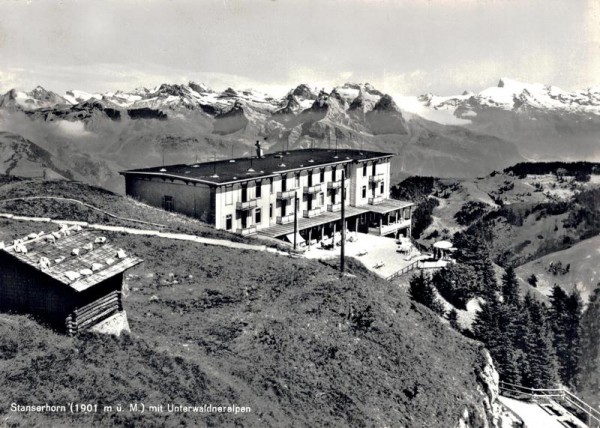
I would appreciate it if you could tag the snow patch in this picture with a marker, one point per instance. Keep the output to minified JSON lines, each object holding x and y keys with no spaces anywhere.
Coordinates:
{"x":413,"y":106}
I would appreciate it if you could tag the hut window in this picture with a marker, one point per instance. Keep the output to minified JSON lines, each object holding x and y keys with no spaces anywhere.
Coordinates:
{"x":228,"y":222}
{"x":381,"y":188}
{"x":364,"y":191}
{"x":168,"y":203}
{"x":322,"y":175}
{"x":270,"y":210}
{"x":364,"y":169}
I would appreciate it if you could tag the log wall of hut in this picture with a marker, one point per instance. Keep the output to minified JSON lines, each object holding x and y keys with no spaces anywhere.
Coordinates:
{"x":26,"y":290}
{"x":96,"y":304}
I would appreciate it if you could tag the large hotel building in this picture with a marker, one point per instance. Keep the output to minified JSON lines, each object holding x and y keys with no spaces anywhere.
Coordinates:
{"x":256,"y":194}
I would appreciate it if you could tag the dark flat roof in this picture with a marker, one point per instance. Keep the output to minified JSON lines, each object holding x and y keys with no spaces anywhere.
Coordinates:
{"x":240,"y":169}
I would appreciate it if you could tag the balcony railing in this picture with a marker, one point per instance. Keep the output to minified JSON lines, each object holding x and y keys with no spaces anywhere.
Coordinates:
{"x":288,"y":194}
{"x":334,"y":185}
{"x":377,"y":178}
{"x":375,"y":200}
{"x":285,"y":219}
{"x":386,"y":229}
{"x":389,"y":228}
{"x":334,"y":207}
{"x":312,"y":189}
{"x":247,"y":205}
{"x":312,"y":213}
{"x":250,"y":230}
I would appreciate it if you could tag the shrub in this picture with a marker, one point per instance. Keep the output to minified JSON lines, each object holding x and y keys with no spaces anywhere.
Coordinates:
{"x":457,"y":284}
{"x":532,"y":280}
{"x":470,"y":212}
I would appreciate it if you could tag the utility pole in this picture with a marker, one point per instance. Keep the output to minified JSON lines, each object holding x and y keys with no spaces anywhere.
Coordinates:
{"x":342,"y":255}
{"x":296,"y":220}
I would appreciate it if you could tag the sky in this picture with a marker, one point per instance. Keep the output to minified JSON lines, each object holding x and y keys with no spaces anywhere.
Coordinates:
{"x":403,"y":47}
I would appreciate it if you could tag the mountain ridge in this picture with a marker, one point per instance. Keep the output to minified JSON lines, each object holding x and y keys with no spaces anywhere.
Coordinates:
{"x":194,"y":118}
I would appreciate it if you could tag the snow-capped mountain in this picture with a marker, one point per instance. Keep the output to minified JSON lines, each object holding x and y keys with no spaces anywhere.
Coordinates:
{"x":546,"y":123}
{"x":517,"y":96}
{"x":100,"y":134}
{"x":36,"y":99}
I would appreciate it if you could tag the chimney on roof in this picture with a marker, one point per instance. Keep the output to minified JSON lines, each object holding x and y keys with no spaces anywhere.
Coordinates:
{"x":259,"y":150}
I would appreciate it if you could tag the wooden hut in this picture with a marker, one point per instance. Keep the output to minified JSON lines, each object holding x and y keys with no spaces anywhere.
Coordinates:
{"x":70,"y":279}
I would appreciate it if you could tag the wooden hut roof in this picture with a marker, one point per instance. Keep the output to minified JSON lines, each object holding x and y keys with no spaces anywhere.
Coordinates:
{"x":73,"y":256}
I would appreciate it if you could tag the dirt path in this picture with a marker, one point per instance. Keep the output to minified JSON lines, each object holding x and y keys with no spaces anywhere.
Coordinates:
{"x":148,"y":232}
{"x":56,"y":198}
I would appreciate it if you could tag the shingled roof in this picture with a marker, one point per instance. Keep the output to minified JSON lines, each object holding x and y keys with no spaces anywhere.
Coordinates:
{"x":73,"y":256}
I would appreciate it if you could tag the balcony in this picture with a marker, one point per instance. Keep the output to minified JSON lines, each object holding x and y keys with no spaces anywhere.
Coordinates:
{"x":247,"y":205}
{"x":376,"y":179}
{"x":285,"y":219}
{"x":375,"y":200}
{"x":334,"y":185}
{"x":392,"y":227}
{"x":386,"y":229}
{"x":250,"y":230}
{"x":288,"y":194}
{"x":312,"y":189}
{"x":334,"y":207}
{"x":312,"y":213}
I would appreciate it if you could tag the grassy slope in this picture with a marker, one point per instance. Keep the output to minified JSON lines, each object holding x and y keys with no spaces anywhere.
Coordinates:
{"x":125,"y":207}
{"x":584,"y":258}
{"x":536,"y":235}
{"x":215,"y":325}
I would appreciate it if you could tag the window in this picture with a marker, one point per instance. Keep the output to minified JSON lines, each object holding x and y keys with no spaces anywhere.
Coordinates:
{"x":229,"y":195}
{"x":270,"y":210}
{"x":322,"y":175}
{"x":321,"y":199}
{"x":381,"y":188}
{"x":257,"y":216}
{"x":333,"y":173}
{"x":271,"y":185}
{"x":297,"y":182}
{"x":168,"y":203}
{"x":364,"y":169}
{"x":310,"y":178}
{"x":283,"y":183}
{"x":373,"y":173}
{"x":364,"y":192}
{"x":258,"y":191}
{"x":228,"y":222}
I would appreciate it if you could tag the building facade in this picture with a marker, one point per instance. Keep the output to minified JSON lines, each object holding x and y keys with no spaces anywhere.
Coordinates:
{"x":257,"y":195}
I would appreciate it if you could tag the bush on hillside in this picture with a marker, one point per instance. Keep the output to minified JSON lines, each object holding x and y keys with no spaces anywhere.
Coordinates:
{"x":422,"y":216}
{"x":457,"y":283}
{"x":470,"y":212}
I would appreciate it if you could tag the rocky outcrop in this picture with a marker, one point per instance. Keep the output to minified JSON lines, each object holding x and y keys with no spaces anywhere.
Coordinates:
{"x":487,"y":413}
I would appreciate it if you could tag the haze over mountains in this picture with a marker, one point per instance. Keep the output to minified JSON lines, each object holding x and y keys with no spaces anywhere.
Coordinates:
{"x":93,"y":136}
